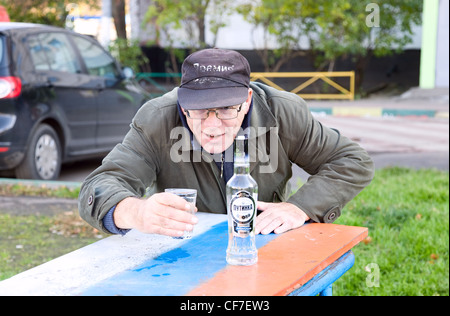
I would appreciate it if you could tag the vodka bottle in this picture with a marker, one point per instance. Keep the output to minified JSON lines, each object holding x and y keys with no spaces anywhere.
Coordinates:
{"x":242,"y":194}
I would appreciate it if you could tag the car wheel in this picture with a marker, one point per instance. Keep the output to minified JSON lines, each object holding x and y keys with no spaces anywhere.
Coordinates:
{"x":43,"y":158}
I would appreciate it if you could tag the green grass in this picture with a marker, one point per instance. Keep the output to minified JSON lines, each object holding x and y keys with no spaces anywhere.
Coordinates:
{"x":28,"y":241}
{"x":20,"y":189}
{"x":407,"y":213}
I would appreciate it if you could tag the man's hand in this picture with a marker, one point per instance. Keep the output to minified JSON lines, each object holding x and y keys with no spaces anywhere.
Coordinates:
{"x":163,"y":213}
{"x":279,"y":218}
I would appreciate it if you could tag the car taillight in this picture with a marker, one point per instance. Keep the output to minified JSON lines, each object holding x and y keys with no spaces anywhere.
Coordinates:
{"x":10,"y":87}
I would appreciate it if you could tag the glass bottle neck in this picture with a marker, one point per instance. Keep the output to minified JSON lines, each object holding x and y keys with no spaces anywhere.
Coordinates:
{"x":241,"y":161}
{"x":241,"y":167}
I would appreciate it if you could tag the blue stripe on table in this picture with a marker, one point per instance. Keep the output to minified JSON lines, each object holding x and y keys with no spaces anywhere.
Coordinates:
{"x":178,"y":271}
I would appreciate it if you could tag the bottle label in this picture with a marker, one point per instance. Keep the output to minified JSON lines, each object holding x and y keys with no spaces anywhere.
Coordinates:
{"x":243,"y":208}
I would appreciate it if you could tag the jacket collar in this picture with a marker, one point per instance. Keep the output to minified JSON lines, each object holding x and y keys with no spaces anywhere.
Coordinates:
{"x":262,"y":116}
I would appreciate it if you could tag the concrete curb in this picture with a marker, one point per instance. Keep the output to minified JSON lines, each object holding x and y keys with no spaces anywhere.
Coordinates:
{"x":415,"y":103}
{"x":377,"y":112}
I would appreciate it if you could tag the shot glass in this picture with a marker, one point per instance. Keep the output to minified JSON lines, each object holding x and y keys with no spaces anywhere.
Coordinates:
{"x":190,"y":195}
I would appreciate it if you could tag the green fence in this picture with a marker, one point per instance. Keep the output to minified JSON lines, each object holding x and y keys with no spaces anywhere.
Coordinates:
{"x":149,"y":80}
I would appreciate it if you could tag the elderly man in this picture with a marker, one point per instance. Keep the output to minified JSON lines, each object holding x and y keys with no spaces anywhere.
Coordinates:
{"x":182,"y":139}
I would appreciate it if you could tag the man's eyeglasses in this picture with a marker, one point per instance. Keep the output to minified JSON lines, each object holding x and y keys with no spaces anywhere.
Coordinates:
{"x":227,"y":113}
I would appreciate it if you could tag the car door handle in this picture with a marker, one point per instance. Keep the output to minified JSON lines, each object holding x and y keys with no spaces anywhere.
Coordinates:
{"x":45,"y":84}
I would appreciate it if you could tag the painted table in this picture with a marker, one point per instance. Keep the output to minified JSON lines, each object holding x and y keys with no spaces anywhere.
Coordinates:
{"x":305,"y":261}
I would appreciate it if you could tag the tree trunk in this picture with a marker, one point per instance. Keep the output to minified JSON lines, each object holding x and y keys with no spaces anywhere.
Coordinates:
{"x":201,"y":29}
{"x":360,"y":69}
{"x":118,"y":13}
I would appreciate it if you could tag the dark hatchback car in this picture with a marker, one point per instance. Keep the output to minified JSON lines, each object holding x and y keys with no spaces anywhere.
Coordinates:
{"x":62,"y":98}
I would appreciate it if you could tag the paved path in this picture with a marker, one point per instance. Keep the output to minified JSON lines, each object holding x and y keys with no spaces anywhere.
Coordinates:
{"x":411,"y":130}
{"x":414,"y":142}
{"x":394,"y":135}
{"x":26,"y":205}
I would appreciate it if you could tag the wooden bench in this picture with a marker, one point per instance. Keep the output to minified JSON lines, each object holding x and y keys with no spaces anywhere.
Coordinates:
{"x":305,"y":261}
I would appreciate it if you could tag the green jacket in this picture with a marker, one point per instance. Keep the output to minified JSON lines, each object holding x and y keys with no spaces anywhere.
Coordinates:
{"x":157,"y":154}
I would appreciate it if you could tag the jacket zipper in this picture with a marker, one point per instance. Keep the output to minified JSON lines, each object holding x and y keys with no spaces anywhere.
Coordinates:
{"x":221,"y":166}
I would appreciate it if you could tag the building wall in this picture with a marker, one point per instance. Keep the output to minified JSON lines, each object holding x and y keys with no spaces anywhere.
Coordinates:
{"x":442,"y":56}
{"x":434,"y":72}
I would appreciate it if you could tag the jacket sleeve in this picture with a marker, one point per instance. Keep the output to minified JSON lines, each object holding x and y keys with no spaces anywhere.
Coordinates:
{"x":339,"y":167}
{"x":126,"y":171}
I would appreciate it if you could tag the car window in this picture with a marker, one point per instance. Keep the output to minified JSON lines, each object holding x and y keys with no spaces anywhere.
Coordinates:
{"x":37,"y":54}
{"x":97,"y":61}
{"x":52,"y":51}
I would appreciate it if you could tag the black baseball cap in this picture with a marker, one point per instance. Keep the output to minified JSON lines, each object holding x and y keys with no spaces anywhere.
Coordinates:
{"x":214,"y":78}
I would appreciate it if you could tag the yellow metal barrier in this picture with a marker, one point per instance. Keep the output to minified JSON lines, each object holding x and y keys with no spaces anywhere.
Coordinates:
{"x":314,"y":76}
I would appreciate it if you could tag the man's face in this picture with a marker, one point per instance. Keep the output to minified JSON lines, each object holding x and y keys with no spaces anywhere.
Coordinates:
{"x":216,"y":135}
